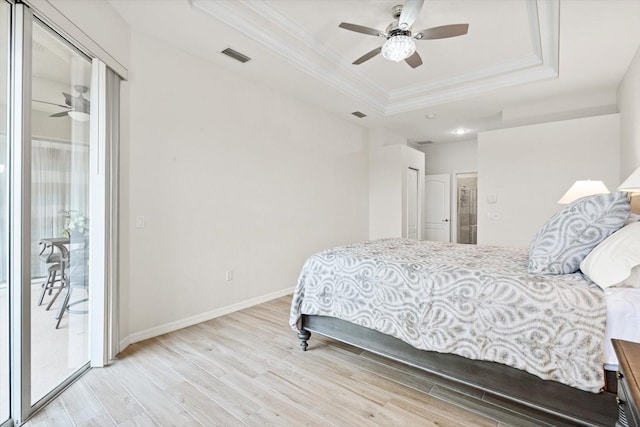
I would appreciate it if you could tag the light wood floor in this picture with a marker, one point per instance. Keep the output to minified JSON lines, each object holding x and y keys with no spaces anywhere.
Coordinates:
{"x":245,"y":369}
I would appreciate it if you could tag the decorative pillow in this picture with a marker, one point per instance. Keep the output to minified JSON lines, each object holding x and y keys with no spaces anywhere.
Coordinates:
{"x":566,"y":239}
{"x":613,"y":262}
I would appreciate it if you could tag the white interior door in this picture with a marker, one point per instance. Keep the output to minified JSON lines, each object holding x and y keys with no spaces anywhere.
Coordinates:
{"x":437,"y":210}
{"x":412,"y":203}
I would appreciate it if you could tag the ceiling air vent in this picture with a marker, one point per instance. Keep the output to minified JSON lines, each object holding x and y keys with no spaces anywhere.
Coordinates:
{"x":423,"y":142}
{"x":359,"y":114}
{"x":235,"y":55}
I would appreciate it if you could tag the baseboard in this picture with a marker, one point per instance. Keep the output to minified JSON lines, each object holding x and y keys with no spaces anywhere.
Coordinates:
{"x":199,"y":318}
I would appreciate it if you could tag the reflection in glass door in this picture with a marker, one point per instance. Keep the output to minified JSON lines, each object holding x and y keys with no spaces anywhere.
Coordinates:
{"x":59,"y":211}
{"x":4,"y":214}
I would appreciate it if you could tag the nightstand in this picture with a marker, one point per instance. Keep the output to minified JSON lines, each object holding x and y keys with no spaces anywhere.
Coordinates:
{"x":628,"y":382}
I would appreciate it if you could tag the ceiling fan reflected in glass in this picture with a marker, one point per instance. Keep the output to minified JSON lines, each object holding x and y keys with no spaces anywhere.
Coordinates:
{"x":77,"y":107}
{"x":399,"y":44}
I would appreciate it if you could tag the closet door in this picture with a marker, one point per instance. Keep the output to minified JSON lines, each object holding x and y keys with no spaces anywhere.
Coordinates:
{"x":437,"y":208}
{"x":413,"y":204}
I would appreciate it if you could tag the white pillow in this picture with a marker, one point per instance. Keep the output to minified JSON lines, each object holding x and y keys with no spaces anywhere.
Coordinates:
{"x":633,"y":281}
{"x":612,"y":262}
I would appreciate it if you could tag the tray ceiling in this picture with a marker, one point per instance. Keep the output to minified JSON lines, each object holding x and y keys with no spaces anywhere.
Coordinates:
{"x":522,"y":61}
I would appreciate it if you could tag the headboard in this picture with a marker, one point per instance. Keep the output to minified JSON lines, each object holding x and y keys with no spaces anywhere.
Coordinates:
{"x":635,"y":203}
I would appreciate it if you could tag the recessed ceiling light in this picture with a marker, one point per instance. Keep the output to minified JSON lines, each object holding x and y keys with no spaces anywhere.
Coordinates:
{"x":431,"y":116}
{"x":459,"y":131}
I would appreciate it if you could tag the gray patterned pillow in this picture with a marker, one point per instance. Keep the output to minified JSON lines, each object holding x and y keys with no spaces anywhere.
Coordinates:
{"x":568,"y":237}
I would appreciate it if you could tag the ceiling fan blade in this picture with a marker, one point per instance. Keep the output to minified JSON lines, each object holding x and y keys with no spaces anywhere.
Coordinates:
{"x":362,"y":29}
{"x":442,"y":32}
{"x":67,"y":98}
{"x":51,"y":103}
{"x":414,"y":60}
{"x":367,"y":56}
{"x":409,"y":13}
{"x":62,"y":114}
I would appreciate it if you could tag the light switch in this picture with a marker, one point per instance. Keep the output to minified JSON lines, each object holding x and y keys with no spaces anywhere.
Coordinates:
{"x":140,"y":221}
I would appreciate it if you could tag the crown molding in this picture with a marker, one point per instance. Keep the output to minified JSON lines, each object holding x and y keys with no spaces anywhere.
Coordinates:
{"x":283,"y":36}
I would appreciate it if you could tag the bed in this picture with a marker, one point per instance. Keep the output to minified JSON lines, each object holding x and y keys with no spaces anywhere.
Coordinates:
{"x":484,"y":316}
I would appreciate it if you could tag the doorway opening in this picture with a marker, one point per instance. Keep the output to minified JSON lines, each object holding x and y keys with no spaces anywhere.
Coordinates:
{"x":467,"y":208}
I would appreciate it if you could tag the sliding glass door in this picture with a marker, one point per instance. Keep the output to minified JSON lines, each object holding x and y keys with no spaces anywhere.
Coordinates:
{"x":60,"y":149}
{"x":4,"y":211}
{"x":58,"y":232}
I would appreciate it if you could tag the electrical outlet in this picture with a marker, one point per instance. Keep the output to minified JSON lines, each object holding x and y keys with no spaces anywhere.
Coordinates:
{"x":229,"y":275}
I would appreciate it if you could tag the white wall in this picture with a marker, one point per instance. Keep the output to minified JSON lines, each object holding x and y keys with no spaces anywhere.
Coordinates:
{"x":529,"y":168}
{"x":229,"y":174}
{"x":451,"y":158}
{"x":629,"y":108}
{"x":388,"y":165}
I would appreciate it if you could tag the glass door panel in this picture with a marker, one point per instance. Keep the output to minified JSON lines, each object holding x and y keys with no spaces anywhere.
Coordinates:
{"x":59,"y":211}
{"x":4,"y":213}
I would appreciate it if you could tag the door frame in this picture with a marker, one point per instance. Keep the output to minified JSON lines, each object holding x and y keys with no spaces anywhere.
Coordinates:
{"x":104,"y":190}
{"x":454,"y":202}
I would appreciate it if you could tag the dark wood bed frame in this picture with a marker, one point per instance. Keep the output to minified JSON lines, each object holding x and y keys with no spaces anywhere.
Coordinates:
{"x":571,"y":404}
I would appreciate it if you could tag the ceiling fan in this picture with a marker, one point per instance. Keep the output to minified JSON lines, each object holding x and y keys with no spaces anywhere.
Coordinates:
{"x":399,"y":42}
{"x":77,"y":107}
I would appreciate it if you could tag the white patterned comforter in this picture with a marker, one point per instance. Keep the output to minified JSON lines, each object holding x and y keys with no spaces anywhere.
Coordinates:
{"x":475,"y":301}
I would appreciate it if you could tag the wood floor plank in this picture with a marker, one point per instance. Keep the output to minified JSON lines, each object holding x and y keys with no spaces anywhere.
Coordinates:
{"x":487,"y":409}
{"x":203,"y":353}
{"x":141,"y":420}
{"x":53,"y":415}
{"x":119,"y":404}
{"x":162,"y":408}
{"x":246,"y":369}
{"x":333,"y":411}
{"x":229,"y":399}
{"x":404,"y":397}
{"x":155,"y":370}
{"x":289,"y":410}
{"x":83,"y":407}
{"x":201,"y":407}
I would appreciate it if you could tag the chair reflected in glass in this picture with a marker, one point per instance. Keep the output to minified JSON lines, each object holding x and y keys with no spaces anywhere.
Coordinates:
{"x":54,"y":253}
{"x":68,"y":271}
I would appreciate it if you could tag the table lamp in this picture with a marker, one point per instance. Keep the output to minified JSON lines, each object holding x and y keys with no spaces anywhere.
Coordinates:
{"x":632,"y":183}
{"x":581,"y":189}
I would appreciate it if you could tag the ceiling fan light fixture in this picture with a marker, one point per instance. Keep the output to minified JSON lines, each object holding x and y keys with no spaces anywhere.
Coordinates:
{"x":80,"y":116}
{"x":398,"y":48}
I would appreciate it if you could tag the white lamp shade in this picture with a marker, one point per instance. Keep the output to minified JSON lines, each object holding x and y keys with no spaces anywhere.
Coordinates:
{"x":582,"y":189}
{"x":632,"y":183}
